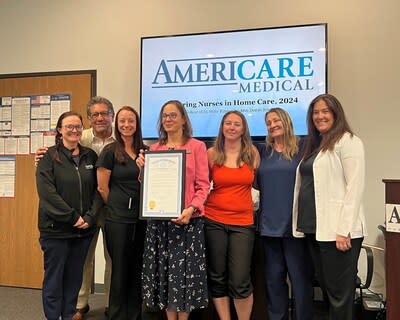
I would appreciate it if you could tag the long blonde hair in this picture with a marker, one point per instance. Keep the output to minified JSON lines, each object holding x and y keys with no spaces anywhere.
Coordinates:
{"x":246,"y":151}
{"x":290,"y":140}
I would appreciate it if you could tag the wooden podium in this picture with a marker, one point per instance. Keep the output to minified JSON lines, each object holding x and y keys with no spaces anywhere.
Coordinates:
{"x":392,"y":256}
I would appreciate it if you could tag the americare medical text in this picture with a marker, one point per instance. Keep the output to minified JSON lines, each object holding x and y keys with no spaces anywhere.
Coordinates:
{"x":246,"y":72}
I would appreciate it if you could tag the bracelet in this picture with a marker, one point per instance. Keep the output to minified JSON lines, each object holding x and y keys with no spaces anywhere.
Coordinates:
{"x":194,"y":208}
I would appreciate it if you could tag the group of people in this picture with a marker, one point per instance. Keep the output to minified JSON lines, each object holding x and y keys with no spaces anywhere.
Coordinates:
{"x":310,"y":219}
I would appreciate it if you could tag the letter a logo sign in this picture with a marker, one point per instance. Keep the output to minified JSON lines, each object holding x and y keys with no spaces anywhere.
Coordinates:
{"x":393,"y":217}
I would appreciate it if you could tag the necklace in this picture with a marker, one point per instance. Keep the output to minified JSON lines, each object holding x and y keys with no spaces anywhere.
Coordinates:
{"x":173,"y":146}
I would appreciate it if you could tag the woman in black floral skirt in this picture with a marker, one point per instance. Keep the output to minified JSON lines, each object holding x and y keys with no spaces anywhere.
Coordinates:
{"x":174,"y":266}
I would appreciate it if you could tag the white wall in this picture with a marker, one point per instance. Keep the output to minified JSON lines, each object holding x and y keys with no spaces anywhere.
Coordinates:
{"x":363,"y":48}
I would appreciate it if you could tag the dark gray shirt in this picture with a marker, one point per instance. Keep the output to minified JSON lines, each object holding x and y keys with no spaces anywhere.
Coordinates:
{"x":306,"y":221}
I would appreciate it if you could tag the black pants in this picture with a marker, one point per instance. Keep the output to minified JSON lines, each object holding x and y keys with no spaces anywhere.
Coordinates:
{"x":229,"y":252}
{"x":125,"y":245}
{"x":336,"y":272}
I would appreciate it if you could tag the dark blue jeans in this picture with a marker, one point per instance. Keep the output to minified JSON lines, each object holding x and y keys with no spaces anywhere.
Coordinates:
{"x":63,"y":268}
{"x":288,"y":257}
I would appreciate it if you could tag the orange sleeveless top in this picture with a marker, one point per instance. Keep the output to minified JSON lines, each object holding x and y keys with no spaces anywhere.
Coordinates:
{"x":230,"y":201}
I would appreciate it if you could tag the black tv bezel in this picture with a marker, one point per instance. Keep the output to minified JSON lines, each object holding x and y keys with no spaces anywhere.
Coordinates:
{"x":208,"y":140}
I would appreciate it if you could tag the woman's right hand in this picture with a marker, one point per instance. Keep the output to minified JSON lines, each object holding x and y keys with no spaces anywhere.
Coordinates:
{"x":81,"y":224}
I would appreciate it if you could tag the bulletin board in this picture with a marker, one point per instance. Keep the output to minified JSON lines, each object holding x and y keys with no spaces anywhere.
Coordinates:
{"x":21,"y":261}
{"x":29,"y":122}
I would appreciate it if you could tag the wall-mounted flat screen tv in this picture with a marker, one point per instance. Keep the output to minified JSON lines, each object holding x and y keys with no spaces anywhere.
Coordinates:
{"x":246,"y":70}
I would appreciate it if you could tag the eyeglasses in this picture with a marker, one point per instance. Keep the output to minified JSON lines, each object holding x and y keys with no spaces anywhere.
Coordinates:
{"x":171,"y":115}
{"x":71,"y":127}
{"x":95,"y":115}
{"x":230,"y":123}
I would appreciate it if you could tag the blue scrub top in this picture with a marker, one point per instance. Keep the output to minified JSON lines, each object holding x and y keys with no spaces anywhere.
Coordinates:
{"x":275,"y":179}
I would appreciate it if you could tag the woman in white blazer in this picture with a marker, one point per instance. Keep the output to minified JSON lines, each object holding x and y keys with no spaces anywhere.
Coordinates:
{"x":327,"y":205}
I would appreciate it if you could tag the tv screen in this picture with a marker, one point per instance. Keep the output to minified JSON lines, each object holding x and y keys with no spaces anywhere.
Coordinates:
{"x":246,"y":70}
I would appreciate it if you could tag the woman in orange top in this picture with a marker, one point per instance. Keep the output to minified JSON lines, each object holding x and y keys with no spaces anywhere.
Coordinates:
{"x":229,"y":226}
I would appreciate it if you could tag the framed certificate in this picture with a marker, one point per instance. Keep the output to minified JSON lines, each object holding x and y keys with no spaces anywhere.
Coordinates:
{"x":163,"y":184}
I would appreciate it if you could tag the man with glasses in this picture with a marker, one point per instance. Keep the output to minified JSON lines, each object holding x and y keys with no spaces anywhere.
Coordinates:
{"x":100,"y":112}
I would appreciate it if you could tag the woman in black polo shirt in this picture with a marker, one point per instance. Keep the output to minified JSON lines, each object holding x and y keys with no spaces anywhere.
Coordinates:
{"x":119,"y":187}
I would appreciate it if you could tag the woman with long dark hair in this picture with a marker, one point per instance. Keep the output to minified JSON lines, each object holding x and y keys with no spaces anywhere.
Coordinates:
{"x":68,"y":203}
{"x":327,"y":205}
{"x":119,"y":187}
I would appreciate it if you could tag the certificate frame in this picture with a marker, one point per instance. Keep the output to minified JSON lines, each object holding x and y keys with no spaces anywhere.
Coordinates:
{"x":162,"y":194}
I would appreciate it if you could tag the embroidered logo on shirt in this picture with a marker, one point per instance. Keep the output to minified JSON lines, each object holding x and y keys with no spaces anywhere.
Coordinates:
{"x":89,"y":166}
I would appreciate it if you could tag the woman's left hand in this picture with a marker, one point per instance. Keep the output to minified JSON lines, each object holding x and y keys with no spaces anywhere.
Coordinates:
{"x":343,"y":243}
{"x":140,"y":159}
{"x":185,"y":216}
{"x":84,"y":225}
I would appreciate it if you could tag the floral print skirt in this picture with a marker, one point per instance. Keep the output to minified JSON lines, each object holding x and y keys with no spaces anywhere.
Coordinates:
{"x":174,"y":266}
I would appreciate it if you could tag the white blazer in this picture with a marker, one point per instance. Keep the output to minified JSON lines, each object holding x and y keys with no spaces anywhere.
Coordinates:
{"x":338,"y":185}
